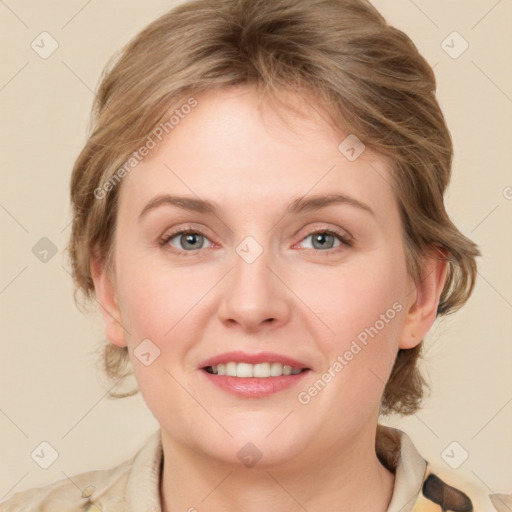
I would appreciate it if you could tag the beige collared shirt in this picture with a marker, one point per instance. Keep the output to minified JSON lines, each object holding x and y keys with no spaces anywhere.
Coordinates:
{"x":133,"y":486}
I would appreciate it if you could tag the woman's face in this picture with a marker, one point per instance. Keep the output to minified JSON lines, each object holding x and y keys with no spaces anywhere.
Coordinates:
{"x":296,"y":259}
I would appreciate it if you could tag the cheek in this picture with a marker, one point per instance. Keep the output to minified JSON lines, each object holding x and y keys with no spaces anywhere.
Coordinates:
{"x":363,"y":306}
{"x":357,"y":295}
{"x":154,"y":299}
{"x":158,"y":306}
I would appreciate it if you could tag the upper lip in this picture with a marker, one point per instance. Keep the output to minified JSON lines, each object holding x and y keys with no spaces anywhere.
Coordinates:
{"x":244,"y":357}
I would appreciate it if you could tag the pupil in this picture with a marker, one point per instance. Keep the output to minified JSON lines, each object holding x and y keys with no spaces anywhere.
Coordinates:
{"x":321,"y":238}
{"x":190,"y":238}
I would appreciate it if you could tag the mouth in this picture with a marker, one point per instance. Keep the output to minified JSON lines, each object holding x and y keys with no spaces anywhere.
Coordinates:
{"x":253,"y":375}
{"x":248,"y":370}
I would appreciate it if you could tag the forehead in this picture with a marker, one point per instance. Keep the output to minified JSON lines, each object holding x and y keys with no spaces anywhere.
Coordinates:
{"x":237,"y":150}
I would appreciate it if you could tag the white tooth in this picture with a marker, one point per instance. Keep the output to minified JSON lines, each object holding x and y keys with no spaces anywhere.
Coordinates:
{"x":276,"y":370}
{"x":231,"y":369}
{"x":244,"y":370}
{"x":261,"y":370}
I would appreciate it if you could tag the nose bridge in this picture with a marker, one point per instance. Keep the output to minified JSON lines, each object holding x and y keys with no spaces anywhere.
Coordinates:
{"x":251,"y":270}
{"x":253,"y":294}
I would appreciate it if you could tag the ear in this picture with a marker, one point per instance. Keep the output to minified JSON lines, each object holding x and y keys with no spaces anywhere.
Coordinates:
{"x":106,"y":296}
{"x":423,"y":309}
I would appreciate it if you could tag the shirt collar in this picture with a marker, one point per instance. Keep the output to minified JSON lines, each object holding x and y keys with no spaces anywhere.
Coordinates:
{"x":394,"y":448}
{"x":143,"y":486}
{"x":396,"y":451}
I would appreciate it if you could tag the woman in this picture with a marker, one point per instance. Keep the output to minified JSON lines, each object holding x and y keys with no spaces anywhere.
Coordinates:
{"x":259,"y":212}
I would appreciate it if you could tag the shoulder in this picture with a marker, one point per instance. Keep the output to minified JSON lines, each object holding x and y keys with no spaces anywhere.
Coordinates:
{"x":94,"y":491}
{"x":79,"y":492}
{"x":449,"y":490}
{"x":75,"y":493}
{"x":427,"y":486}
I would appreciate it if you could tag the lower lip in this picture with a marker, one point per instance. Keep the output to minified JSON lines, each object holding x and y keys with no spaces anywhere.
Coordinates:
{"x":254,"y":387}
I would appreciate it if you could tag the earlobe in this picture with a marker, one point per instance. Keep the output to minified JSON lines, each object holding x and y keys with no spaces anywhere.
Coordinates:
{"x":423,"y":311}
{"x":104,"y":290}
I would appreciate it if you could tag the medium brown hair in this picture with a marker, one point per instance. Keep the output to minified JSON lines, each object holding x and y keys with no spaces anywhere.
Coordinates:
{"x":368,"y":74}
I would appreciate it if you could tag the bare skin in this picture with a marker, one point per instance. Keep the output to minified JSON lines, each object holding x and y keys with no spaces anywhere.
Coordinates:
{"x":305,"y":296}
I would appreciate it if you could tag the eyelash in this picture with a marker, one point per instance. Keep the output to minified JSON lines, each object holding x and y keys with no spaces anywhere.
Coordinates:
{"x":345,"y":241}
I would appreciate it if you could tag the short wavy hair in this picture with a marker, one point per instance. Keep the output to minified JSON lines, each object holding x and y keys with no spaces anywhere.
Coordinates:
{"x":369,"y":75}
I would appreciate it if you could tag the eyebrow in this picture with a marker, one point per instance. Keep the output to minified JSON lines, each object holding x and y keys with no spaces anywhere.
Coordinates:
{"x":298,"y":205}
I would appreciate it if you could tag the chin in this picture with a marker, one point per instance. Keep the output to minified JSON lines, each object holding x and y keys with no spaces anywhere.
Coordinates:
{"x":258,"y":455}
{"x":258,"y":446}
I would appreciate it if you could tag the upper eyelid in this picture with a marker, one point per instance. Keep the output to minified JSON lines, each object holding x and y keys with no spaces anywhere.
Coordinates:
{"x":171,"y":233}
{"x":344,"y":239}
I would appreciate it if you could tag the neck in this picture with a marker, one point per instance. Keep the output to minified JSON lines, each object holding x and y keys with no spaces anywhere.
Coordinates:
{"x":349,"y":477}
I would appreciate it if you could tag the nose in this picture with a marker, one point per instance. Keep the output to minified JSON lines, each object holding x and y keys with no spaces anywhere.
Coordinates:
{"x":254,"y":296}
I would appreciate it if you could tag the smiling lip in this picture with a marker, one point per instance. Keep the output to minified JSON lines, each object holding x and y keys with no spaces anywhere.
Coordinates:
{"x":244,"y":357}
{"x":253,"y":387}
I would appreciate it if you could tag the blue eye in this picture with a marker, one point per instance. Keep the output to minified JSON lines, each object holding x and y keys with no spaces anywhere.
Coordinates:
{"x":326,"y":238}
{"x":188,"y":240}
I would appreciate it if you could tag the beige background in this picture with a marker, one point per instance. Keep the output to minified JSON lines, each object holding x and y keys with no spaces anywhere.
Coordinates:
{"x":51,"y":390}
